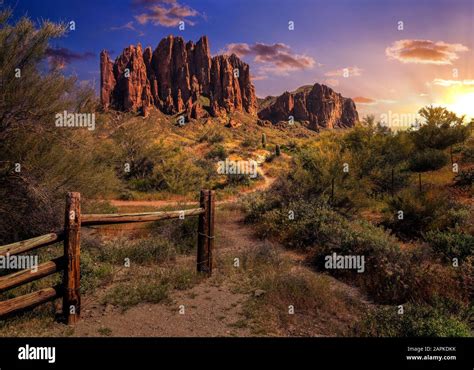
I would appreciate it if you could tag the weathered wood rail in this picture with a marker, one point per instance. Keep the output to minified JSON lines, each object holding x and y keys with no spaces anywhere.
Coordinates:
{"x":69,"y":263}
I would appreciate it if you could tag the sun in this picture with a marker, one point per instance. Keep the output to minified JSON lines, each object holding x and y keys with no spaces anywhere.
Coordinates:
{"x":463,"y":104}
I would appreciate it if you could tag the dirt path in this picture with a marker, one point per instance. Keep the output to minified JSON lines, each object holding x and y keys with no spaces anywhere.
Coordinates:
{"x":265,"y":184}
{"x":210,"y":309}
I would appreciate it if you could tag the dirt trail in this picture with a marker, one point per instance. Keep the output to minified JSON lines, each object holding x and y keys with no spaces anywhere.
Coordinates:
{"x":210,"y":309}
{"x":267,"y":182}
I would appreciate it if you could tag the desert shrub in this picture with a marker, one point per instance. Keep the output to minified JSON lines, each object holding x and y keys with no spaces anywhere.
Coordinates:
{"x":291,"y":146}
{"x":382,"y":179}
{"x":269,"y":158}
{"x":94,"y":206}
{"x":249,"y":142}
{"x":54,"y":160}
{"x":425,"y":280}
{"x":427,"y":160}
{"x":467,"y":151}
{"x":177,"y":174}
{"x":126,"y":295}
{"x":391,"y":275}
{"x":451,"y":244}
{"x":126,"y":195}
{"x":255,"y":205}
{"x":152,"y":288}
{"x":465,"y":178}
{"x":94,"y":273}
{"x":139,"y":169}
{"x":142,"y":251}
{"x":440,"y":130}
{"x":238,"y":180}
{"x":182,"y":232}
{"x":217,"y":152}
{"x":421,"y":213}
{"x":212,"y":136}
{"x":418,"y":320}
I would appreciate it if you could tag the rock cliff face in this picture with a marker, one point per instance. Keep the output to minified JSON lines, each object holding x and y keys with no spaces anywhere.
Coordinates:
{"x":317,"y":107}
{"x":173,"y":77}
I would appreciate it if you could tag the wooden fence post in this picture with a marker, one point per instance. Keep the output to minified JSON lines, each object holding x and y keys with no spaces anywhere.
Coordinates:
{"x":212,"y":204}
{"x":206,"y":232}
{"x":72,"y":272}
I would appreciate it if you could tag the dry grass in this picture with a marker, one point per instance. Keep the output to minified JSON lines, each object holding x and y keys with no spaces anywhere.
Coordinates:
{"x":289,"y":300}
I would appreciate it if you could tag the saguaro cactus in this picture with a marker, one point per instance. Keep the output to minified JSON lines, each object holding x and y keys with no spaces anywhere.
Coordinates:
{"x":264,"y":141}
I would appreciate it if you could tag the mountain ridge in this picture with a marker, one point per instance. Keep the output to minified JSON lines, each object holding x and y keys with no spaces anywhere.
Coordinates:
{"x":315,"y":106}
{"x":175,"y":77}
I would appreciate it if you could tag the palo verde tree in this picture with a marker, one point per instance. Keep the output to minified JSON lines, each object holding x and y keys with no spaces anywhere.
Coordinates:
{"x":441,"y":129}
{"x":39,"y":162}
{"x":378,"y":155}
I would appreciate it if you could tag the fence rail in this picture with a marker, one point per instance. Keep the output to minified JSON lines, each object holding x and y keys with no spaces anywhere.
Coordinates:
{"x":30,"y":244}
{"x":117,"y":218}
{"x":69,"y":290}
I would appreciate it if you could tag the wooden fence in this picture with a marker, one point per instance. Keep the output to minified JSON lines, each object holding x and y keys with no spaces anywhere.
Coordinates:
{"x":69,"y":290}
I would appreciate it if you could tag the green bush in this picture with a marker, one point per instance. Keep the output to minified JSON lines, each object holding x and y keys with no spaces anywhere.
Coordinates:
{"x":416,"y":321}
{"x":94,"y":273}
{"x":465,"y":178}
{"x":451,"y":244}
{"x":421,"y":212}
{"x":212,"y":137}
{"x":217,"y":152}
{"x":181,"y":232}
{"x":427,"y":160}
{"x":141,"y":251}
{"x":382,"y":179}
{"x":249,"y":143}
{"x":468,"y":151}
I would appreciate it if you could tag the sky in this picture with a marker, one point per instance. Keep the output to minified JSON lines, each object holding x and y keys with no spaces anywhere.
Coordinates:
{"x":392,"y":57}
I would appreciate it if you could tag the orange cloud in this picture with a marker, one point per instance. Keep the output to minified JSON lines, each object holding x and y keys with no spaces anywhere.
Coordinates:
{"x":424,"y":51}
{"x":364,"y":100}
{"x":370,"y":101}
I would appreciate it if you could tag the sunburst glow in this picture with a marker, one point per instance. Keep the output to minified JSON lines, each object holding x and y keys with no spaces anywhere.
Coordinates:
{"x":462,"y":103}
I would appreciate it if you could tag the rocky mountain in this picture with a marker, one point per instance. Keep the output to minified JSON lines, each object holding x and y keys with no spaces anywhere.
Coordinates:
{"x":316,"y":106}
{"x":174,"y":77}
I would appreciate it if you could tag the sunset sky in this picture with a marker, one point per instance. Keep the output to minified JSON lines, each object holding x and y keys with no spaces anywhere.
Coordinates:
{"x":429,"y":61}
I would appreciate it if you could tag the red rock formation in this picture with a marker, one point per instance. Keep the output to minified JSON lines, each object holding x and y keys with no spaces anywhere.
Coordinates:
{"x":174,"y":73}
{"x":319,"y":106}
{"x":107,"y":79}
{"x":168,"y":106}
{"x":179,"y":102}
{"x":231,"y":87}
{"x":247,"y":90}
